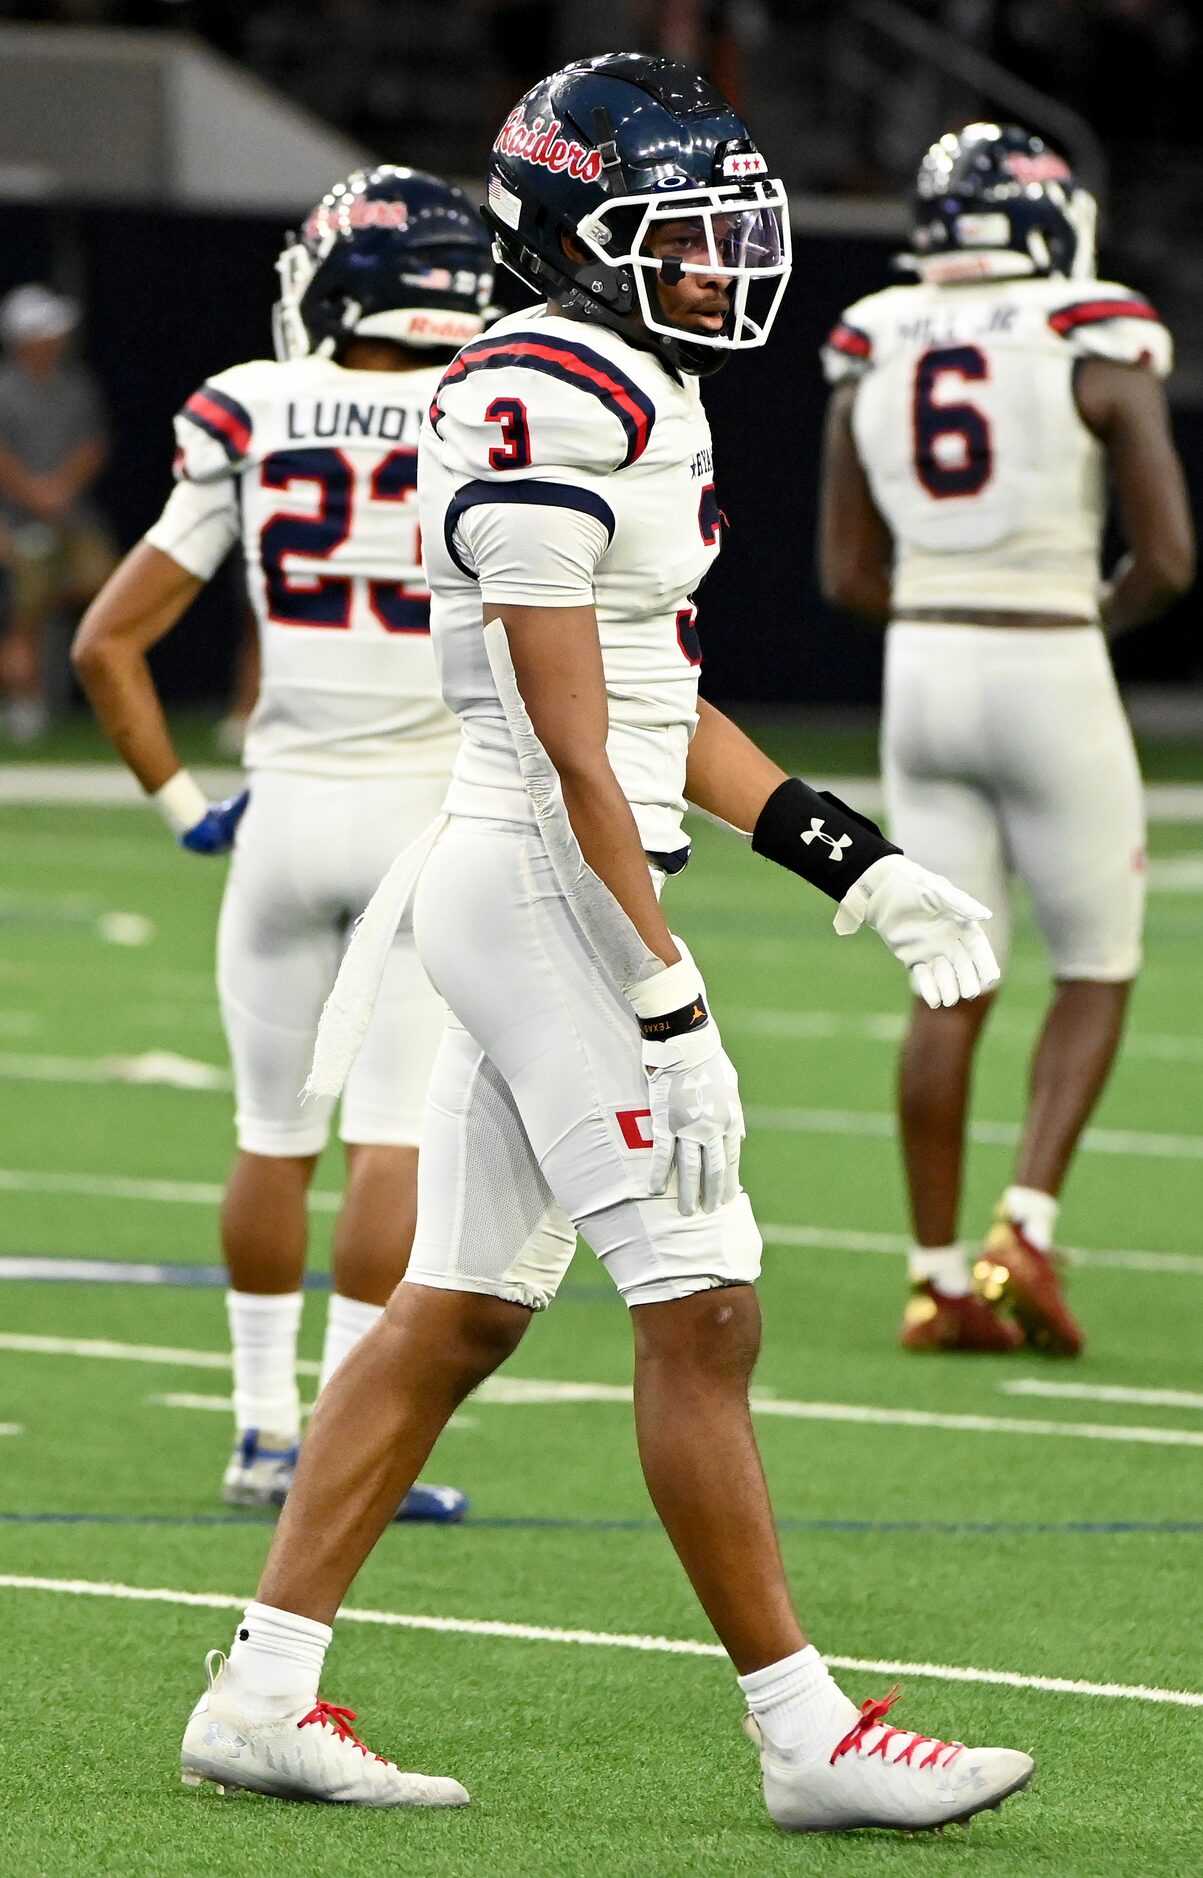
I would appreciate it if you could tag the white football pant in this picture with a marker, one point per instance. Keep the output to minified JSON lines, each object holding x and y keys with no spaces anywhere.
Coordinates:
{"x":537,"y":1116}
{"x":1006,"y":751}
{"x":310,"y":853}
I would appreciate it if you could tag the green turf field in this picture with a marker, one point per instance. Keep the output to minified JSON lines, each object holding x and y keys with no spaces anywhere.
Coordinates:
{"x":1028,"y":1541}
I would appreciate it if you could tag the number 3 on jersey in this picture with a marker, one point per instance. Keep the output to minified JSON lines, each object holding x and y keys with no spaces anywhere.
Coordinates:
{"x":954,"y":451}
{"x":316,"y":599}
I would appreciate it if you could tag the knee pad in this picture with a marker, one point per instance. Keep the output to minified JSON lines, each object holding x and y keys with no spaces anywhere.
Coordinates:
{"x":655,"y":1253}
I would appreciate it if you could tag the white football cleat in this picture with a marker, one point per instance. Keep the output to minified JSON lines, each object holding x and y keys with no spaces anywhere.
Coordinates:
{"x":260,"y":1470}
{"x":312,"y":1755}
{"x":877,"y":1775}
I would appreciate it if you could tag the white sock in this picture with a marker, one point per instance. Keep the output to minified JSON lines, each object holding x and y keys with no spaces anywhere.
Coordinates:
{"x":941,"y":1265}
{"x":263,"y":1331}
{"x":276,"y":1661}
{"x":1034,"y":1212}
{"x":800,"y":1707}
{"x":347,"y":1320}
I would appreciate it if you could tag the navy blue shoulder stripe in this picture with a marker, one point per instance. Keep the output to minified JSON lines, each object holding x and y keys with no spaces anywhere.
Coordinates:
{"x":222,"y":418}
{"x":543,"y":495}
{"x":573,"y":364}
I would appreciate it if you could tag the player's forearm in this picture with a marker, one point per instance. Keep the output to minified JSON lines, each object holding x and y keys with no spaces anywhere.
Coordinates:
{"x":135,"y":608}
{"x":605,"y":829}
{"x":727,"y":775}
{"x":122,"y":693}
{"x":1142,"y":587}
{"x":864,"y":589}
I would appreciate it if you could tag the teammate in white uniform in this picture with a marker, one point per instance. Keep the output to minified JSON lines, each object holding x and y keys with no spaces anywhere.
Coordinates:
{"x":311,"y":462}
{"x":567,"y":509}
{"x":975,"y":417}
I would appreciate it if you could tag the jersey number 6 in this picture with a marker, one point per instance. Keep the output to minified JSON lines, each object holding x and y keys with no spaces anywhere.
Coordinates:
{"x":954,"y":452}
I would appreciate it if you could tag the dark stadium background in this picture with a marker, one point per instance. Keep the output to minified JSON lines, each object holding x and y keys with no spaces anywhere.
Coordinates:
{"x":173,"y":297}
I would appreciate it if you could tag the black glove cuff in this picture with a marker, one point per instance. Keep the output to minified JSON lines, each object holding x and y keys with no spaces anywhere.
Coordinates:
{"x":675,"y":1023}
{"x":814,"y":834}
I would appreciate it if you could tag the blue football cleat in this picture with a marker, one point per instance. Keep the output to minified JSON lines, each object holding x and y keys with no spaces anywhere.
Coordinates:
{"x":262,"y":1467}
{"x":442,"y":1505}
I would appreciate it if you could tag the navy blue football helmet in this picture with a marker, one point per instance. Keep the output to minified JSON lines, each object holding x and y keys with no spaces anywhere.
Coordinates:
{"x":993,"y":201}
{"x":388,"y":254}
{"x":611,"y":148}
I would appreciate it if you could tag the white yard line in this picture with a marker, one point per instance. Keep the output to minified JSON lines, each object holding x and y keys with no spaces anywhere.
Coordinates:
{"x":107,"y":1351}
{"x":614,"y":1640}
{"x":1103,"y":1392}
{"x":11,"y":1428}
{"x":889,"y":1027}
{"x":882,"y":1124}
{"x":895,"y":1244}
{"x":118,"y":1187}
{"x":224,"y":1405}
{"x":507,"y":1391}
{"x":95,"y":785}
{"x":161,"y":1068}
{"x":109,"y":785}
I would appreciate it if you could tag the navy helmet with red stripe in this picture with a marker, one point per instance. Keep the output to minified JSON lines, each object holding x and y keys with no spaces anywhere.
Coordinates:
{"x":390,"y":254}
{"x":995,"y":201}
{"x":601,"y":155}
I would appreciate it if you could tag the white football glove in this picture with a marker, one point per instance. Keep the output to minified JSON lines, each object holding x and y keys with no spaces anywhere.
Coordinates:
{"x":693,"y":1092}
{"x":929,"y":925}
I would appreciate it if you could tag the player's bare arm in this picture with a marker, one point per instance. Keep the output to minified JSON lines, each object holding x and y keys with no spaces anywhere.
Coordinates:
{"x":136,"y":608}
{"x":855,"y":545}
{"x":1125,"y":407}
{"x":558,"y":665}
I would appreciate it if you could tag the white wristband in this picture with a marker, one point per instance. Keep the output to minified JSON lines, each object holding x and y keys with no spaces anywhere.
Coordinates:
{"x":181,"y":802}
{"x":669,"y":990}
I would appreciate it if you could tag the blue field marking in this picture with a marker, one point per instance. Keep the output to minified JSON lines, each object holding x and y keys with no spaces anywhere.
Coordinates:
{"x":950,"y":1528}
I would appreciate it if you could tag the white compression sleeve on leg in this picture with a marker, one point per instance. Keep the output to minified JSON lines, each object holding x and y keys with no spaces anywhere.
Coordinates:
{"x":263,"y":1331}
{"x":347,"y":1320}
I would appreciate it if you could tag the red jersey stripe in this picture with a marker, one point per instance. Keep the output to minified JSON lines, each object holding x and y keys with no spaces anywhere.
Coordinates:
{"x":1090,"y":312}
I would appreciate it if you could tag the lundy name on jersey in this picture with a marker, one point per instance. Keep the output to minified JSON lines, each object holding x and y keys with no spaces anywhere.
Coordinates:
{"x":315,"y":467}
{"x":966,"y":425}
{"x":545,"y":411}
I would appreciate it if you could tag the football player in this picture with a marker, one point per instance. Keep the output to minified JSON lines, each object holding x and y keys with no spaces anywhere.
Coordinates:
{"x":976,"y":414}
{"x":312,"y":461}
{"x":566,"y":492}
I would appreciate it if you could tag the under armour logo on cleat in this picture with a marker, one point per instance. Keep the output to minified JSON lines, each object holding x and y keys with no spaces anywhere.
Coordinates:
{"x":837,"y":843}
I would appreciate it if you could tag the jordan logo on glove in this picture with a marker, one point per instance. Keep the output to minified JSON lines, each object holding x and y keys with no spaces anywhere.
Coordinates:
{"x":837,"y":843}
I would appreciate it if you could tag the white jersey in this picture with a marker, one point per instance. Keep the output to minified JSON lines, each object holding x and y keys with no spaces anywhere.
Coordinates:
{"x":563,"y":466}
{"x":966,"y":425}
{"x":314,"y":466}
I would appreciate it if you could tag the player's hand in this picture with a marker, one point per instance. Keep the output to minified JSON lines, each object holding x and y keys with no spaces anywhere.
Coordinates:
{"x":697,"y":1119}
{"x":693,"y":1091}
{"x":929,"y":925}
{"x":201,"y":826}
{"x":215,"y":831}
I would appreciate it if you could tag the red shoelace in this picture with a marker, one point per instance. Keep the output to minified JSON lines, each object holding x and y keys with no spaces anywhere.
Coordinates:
{"x":872,"y":1715}
{"x":340,"y":1720}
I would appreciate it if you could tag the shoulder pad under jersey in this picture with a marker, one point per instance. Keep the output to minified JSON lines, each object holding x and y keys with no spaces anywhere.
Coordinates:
{"x":536,"y":400}
{"x":215,"y":428}
{"x":1099,"y":319}
{"x":848,"y":350}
